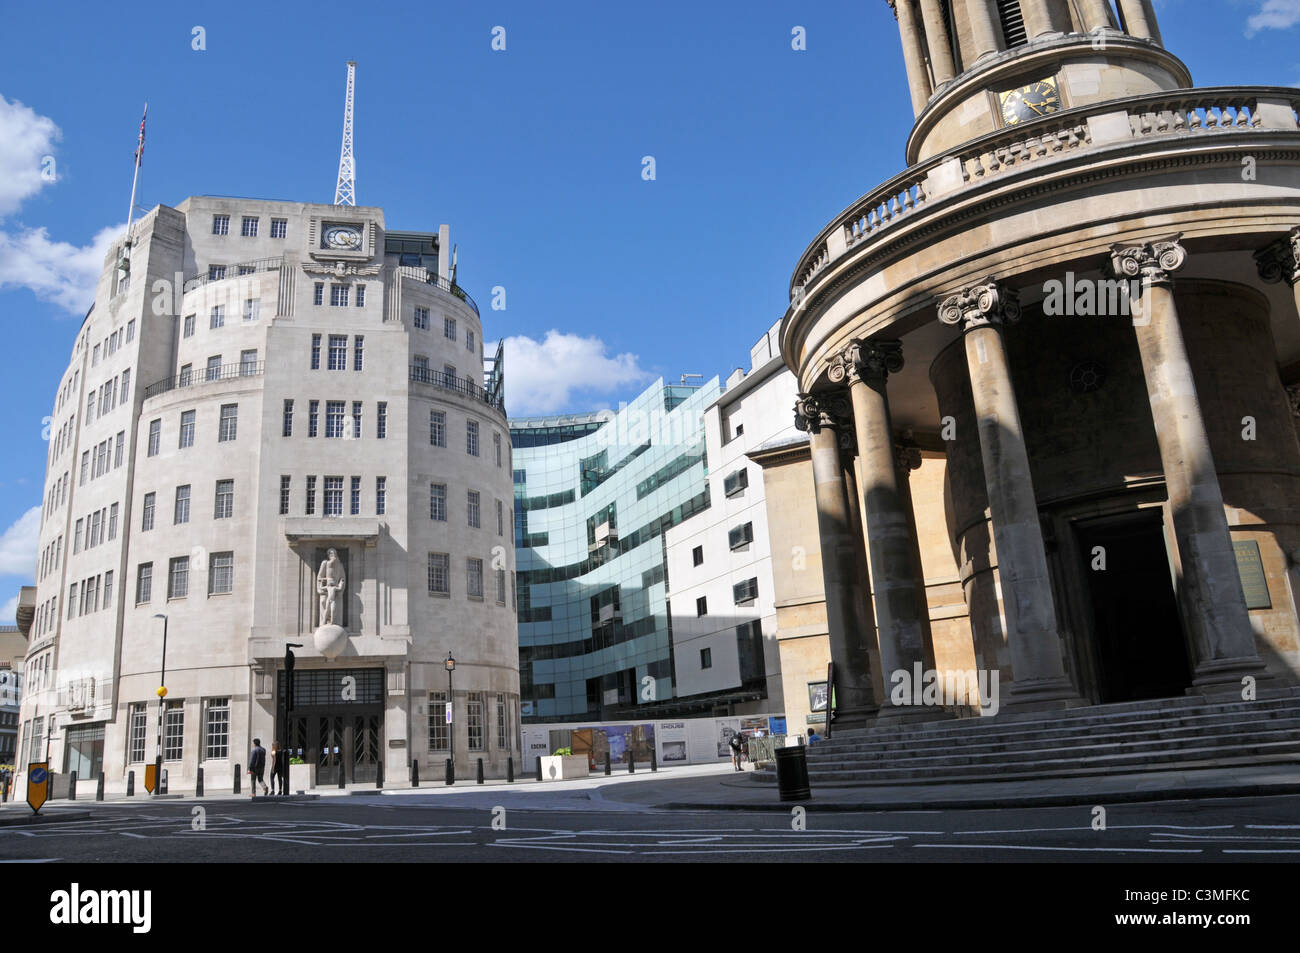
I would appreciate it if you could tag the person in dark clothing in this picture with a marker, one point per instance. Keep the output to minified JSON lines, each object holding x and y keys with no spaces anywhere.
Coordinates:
{"x":277,"y":779}
{"x":735,"y":744}
{"x":257,"y":766}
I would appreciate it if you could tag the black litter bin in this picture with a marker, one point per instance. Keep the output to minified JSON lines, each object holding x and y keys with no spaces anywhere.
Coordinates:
{"x":792,"y":773}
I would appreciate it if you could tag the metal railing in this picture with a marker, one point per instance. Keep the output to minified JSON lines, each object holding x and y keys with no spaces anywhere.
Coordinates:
{"x":206,"y":375}
{"x":460,"y":385}
{"x":233,"y":271}
{"x":430,"y":278}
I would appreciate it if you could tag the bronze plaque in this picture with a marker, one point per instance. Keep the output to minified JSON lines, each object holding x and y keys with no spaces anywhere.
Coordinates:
{"x":1250,"y":567}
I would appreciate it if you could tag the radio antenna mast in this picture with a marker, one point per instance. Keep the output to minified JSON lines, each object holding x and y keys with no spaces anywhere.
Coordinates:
{"x":345,"y":190}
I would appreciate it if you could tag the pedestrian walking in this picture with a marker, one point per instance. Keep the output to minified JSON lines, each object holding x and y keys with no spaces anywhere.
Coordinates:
{"x":256,"y":766}
{"x":735,"y":751}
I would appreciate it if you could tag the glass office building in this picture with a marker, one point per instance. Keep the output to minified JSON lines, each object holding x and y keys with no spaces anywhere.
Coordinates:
{"x":594,"y":494}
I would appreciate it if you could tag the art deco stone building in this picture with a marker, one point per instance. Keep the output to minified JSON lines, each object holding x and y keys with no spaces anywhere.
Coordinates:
{"x":1080,"y":300}
{"x":266,"y":382}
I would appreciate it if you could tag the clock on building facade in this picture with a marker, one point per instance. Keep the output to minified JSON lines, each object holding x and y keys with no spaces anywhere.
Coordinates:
{"x":1031,"y":101}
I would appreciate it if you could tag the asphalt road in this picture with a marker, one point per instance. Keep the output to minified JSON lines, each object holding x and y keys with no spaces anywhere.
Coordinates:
{"x":414,"y":828}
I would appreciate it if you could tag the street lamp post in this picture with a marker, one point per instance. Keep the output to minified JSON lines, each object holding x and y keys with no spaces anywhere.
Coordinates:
{"x":285,"y":733}
{"x":450,"y":665}
{"x":162,"y":694}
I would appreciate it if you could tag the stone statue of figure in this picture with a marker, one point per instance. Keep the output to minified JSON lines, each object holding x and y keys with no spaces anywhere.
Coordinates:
{"x":329,"y":583}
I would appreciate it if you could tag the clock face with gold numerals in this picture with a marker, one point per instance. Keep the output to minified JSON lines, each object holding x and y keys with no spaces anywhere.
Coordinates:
{"x":1033,"y":101}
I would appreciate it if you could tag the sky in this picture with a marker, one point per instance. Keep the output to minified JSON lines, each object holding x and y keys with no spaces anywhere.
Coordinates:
{"x":536,"y":155}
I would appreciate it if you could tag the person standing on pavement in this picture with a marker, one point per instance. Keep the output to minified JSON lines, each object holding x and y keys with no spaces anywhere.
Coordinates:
{"x":735,"y":751}
{"x":275,"y":769}
{"x":256,"y":767}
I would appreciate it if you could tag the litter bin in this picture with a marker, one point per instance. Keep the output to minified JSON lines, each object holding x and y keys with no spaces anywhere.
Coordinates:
{"x":792,"y":773}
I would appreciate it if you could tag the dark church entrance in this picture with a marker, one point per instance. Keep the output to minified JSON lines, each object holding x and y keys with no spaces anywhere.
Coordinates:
{"x":1138,"y":645}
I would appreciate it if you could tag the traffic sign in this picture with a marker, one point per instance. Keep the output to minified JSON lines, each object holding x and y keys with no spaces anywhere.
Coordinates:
{"x":38,"y":784}
{"x":150,"y":777}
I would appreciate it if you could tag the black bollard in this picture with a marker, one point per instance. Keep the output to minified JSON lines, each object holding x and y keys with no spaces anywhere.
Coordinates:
{"x":631,"y":762}
{"x":4,"y":788}
{"x":415,"y":773}
{"x":130,"y":784}
{"x":198,"y":783}
{"x":450,"y":772}
{"x":480,"y":771}
{"x":654,"y":760}
{"x":510,"y":770}
{"x":163,"y":790}
{"x":99,"y":787}
{"x":607,"y":765}
{"x":379,"y":774}
{"x":72,"y":786}
{"x":343,"y":778}
{"x":238,"y":779}
{"x":539,"y":769}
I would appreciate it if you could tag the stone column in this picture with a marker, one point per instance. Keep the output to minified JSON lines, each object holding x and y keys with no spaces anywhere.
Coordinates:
{"x":983,"y":30}
{"x":1216,"y":609}
{"x":1135,"y":19}
{"x":1039,"y":678}
{"x":849,"y":636}
{"x":1038,"y":19}
{"x":918,"y":80}
{"x":1280,"y":261}
{"x":902,"y":618}
{"x":1096,"y":15}
{"x":938,"y":43}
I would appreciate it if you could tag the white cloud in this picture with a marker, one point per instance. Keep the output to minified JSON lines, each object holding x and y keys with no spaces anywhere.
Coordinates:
{"x":55,"y":271}
{"x":1274,"y":15}
{"x":18,"y":544}
{"x":543,"y":377}
{"x":9,"y":614}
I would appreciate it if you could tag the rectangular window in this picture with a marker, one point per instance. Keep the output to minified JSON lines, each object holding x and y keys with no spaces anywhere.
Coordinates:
{"x":474,"y":577}
{"x":311,"y":495}
{"x":76,"y":537}
{"x":449,"y":328}
{"x":501,"y":519}
{"x":221,"y":573}
{"x":697,"y":556}
{"x":469,"y":340}
{"x":90,"y":407}
{"x":225,"y":503}
{"x":334,"y":411}
{"x":112,"y":522}
{"x":220,"y":224}
{"x":355,"y":501}
{"x":287,"y":429}
{"x":421,"y":369}
{"x":422,"y":318}
{"x":137,"y":730}
{"x":279,"y":228}
{"x":438,"y":428}
{"x":315,"y":352}
{"x":745,"y":592}
{"x":108,"y":589}
{"x":96,"y":529}
{"x":338,"y":296}
{"x":333,"y":496}
{"x":146,"y":522}
{"x":358,"y":352}
{"x":182,"y":505}
{"x":173,"y":731}
{"x":471,"y":437}
{"x":126,"y":387}
{"x":735,"y":483}
{"x":155,"y":437}
{"x":496,"y":446}
{"x":229,"y":425}
{"x":381,"y":495}
{"x":381,"y":421}
{"x":501,"y":587}
{"x":449,"y":376}
{"x":248,"y":227}
{"x":706,"y":658}
{"x":119,"y":449}
{"x":85,"y":466}
{"x":144,"y":583}
{"x":702,"y":606}
{"x":72,"y":601}
{"x":438,"y":728}
{"x":439,"y":574}
{"x":187,"y":429}
{"x":472,"y":508}
{"x":189,"y":326}
{"x":218,"y":317}
{"x":186,"y":375}
{"x":501,"y":722}
{"x":438,"y":502}
{"x":338,"y":352}
{"x":285,"y":483}
{"x":318,"y":296}
{"x":178,"y":577}
{"x":313,"y":412}
{"x":356,"y":420}
{"x":252,"y":307}
{"x":474,"y":720}
{"x":216,"y":729}
{"x":740,"y":536}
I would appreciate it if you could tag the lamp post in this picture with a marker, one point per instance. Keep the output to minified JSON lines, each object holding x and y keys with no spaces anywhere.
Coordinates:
{"x":450,"y":665}
{"x":285,"y":734}
{"x":162,"y":694}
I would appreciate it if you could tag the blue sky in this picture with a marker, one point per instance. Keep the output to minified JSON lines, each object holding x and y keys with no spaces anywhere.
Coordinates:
{"x":532,"y":155}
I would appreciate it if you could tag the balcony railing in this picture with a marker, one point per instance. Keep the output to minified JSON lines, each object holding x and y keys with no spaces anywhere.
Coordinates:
{"x":460,"y":385}
{"x":431,"y":278}
{"x":206,"y":375}
{"x":234,"y":271}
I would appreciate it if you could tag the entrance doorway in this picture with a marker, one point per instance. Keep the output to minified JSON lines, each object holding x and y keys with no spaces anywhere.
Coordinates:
{"x":1138,"y":642}
{"x":337,"y":722}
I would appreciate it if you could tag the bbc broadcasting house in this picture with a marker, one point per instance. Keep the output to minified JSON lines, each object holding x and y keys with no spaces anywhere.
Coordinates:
{"x":266,"y":382}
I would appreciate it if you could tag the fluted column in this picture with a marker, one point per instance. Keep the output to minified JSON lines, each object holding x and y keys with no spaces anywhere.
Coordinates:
{"x":918,"y":79}
{"x":938,"y":42}
{"x":1280,"y":261}
{"x":1135,"y":19}
{"x":848,"y":635}
{"x":983,"y":30}
{"x":1038,"y":671}
{"x":1221,"y":635}
{"x":1038,"y":18}
{"x":902,"y":619}
{"x":1096,"y":14}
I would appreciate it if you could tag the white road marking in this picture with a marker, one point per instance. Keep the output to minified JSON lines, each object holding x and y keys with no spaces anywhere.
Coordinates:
{"x":1123,"y":850}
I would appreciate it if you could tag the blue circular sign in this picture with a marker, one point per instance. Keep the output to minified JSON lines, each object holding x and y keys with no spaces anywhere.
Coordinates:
{"x":38,"y":776}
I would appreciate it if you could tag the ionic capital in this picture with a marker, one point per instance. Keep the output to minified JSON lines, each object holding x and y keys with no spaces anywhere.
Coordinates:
{"x":987,"y":303}
{"x":1153,"y":262}
{"x":868,"y":361}
{"x":812,"y":412}
{"x":1280,"y":260}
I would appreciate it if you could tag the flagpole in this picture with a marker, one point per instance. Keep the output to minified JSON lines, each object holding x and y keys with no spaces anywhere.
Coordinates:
{"x":139,"y":151}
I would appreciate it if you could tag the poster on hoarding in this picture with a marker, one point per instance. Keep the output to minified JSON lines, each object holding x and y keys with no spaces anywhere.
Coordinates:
{"x":672,"y":742}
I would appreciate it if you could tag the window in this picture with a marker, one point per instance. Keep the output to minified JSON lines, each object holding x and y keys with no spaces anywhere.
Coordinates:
{"x":155,"y":437}
{"x":421,"y":368}
{"x":216,"y":729}
{"x":469,"y":340}
{"x":474,"y":719}
{"x":333,"y":496}
{"x":94,"y":360}
{"x":279,"y":228}
{"x":356,"y":420}
{"x":173,"y":730}
{"x":449,"y":376}
{"x":182,"y":513}
{"x":287,"y":429}
{"x":439,"y":574}
{"x":706,"y":658}
{"x":438,"y":428}
{"x":72,"y":601}
{"x":438,"y":727}
{"x":338,"y":296}
{"x":471,"y":437}
{"x":449,"y":328}
{"x":501,"y":587}
{"x":422,"y":318}
{"x":501,"y":723}
{"x":251,"y":309}
{"x":108,"y":589}
{"x":284,"y":495}
{"x":338,"y":353}
{"x":220,"y":224}
{"x":137,"y":730}
{"x":178,"y":577}
{"x":438,"y":502}
{"x":381,"y":421}
{"x":318,"y":296}
{"x":187,"y":375}
{"x":334,"y":411}
{"x":225,"y":502}
{"x":221,"y":573}
{"x":76,"y":538}
{"x":90,"y":407}
{"x":746,"y":591}
{"x":189,"y":326}
{"x":315,"y":352}
{"x":311,"y":495}
{"x":740,"y":536}
{"x":248,"y":227}
{"x":496,"y":446}
{"x":126,"y":387}
{"x":472,"y":507}
{"x":85,"y":466}
{"x":112,"y":522}
{"x":144,"y":583}
{"x":361,"y":296}
{"x":214,"y":368}
{"x":130,"y":331}
{"x":313,"y":411}
{"x":355,"y":507}
{"x":95,"y":534}
{"x":187,"y":429}
{"x":697,"y":556}
{"x":474,"y":577}
{"x":358,"y":352}
{"x":229,"y":425}
{"x":381,"y":495}
{"x":735,"y":483}
{"x":119,"y":449}
{"x":501,"y":519}
{"x":701,"y":606}
{"x":218,"y":317}
{"x":146,"y":522}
